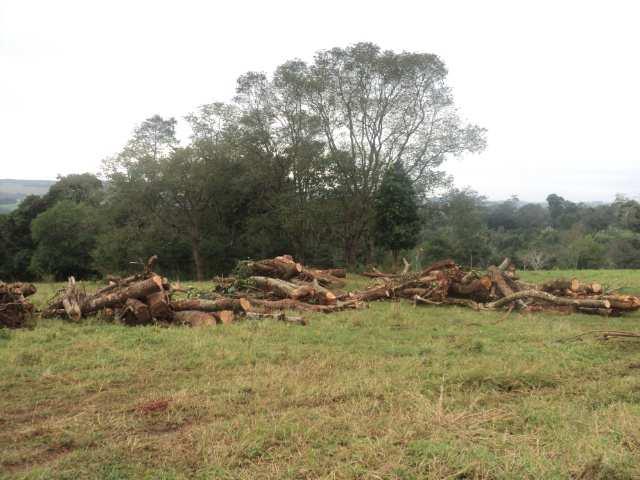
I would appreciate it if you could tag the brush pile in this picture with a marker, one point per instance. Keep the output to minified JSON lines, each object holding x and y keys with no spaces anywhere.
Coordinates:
{"x":445,"y":283}
{"x":15,"y":310}
{"x":146,"y":298}
{"x":265,"y":289}
{"x":280,"y":283}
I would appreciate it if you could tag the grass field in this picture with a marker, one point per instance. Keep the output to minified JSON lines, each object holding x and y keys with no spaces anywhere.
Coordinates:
{"x":392,"y":392}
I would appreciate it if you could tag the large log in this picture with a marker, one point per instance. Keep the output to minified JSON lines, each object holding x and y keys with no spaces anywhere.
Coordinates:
{"x":560,"y":285}
{"x":139,"y":290}
{"x":465,"y":302}
{"x":374,"y":293}
{"x":623,"y":302}
{"x":20,"y":288}
{"x":280,"y":267}
{"x":71,"y":301}
{"x":234,"y":304}
{"x":15,"y":311}
{"x":159,"y":305}
{"x":478,"y":289}
{"x":258,"y":305}
{"x":323,"y":278}
{"x":135,"y":312}
{"x":334,"y":272}
{"x":280,"y":287}
{"x":284,"y":289}
{"x":547,"y":297}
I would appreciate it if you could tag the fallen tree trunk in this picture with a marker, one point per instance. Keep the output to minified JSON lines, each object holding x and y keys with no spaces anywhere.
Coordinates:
{"x":139,"y":290}
{"x":135,"y":312}
{"x":280,"y":287}
{"x":623,"y":302}
{"x":499,"y":279}
{"x":560,"y":285}
{"x":320,"y":276}
{"x":234,"y":304}
{"x":19,"y":288}
{"x":281,"y":267}
{"x":159,"y":305}
{"x":465,"y":302}
{"x":289,"y":304}
{"x":547,"y":297}
{"x":334,"y":272}
{"x":294,"y":291}
{"x":479,"y":288}
{"x":71,"y":301}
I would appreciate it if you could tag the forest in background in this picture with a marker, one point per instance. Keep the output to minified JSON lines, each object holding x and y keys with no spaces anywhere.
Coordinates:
{"x":336,"y":162}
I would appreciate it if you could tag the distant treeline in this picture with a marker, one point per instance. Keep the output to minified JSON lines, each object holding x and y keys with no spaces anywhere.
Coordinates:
{"x":559,"y":234}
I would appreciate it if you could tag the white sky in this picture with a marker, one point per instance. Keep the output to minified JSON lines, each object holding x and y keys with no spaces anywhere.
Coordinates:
{"x":556,"y":83}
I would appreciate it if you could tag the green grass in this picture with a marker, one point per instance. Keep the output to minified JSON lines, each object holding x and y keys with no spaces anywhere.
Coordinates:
{"x":392,"y":392}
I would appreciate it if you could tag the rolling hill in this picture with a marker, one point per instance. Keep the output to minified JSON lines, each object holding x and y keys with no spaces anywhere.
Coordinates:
{"x":13,"y":191}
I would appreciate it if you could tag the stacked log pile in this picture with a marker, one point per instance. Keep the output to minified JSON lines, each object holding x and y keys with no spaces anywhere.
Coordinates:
{"x":265,"y":289}
{"x":147,"y":298}
{"x":445,"y":283}
{"x":15,"y":309}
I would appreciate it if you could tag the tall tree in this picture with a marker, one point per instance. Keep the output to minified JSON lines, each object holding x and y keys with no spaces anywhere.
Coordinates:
{"x":397,"y":223}
{"x":369,"y":109}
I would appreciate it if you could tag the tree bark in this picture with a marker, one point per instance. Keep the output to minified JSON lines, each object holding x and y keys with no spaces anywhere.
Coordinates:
{"x":139,"y":290}
{"x":234,"y":304}
{"x":71,"y":301}
{"x":289,"y":304}
{"x":159,"y":305}
{"x":547,"y":297}
{"x":135,"y":312}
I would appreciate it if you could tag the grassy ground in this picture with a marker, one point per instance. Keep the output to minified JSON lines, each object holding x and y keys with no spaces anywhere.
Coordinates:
{"x":390,"y":392}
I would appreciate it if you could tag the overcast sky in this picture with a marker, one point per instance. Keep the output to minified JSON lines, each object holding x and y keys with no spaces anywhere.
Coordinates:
{"x":556,"y":83}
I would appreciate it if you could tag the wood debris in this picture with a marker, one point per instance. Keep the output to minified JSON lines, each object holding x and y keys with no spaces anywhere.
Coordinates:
{"x":266,"y":289}
{"x":15,"y":309}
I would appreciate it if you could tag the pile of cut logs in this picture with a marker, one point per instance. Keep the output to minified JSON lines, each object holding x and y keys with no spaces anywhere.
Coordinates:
{"x":147,"y":298}
{"x":445,"y":283}
{"x":15,"y":310}
{"x":265,"y":289}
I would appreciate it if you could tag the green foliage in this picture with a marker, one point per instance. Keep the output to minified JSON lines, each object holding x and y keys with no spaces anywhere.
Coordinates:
{"x":85,"y":188}
{"x":397,"y":223}
{"x":456,"y":228}
{"x":65,"y":235}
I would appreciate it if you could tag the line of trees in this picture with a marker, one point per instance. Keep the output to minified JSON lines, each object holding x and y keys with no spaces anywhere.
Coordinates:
{"x":559,"y":234}
{"x":293,"y":164}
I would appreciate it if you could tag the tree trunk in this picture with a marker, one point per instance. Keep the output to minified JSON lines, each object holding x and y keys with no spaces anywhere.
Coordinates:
{"x":202,"y":305}
{"x":135,"y":313}
{"x":139,"y":290}
{"x":547,"y":297}
{"x":197,"y":259}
